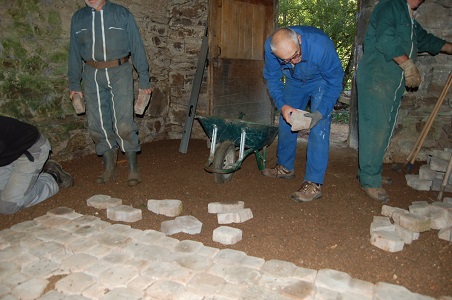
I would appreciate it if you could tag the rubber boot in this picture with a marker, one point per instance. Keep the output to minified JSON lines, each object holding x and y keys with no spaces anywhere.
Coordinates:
{"x":134,"y":172}
{"x":110,"y":157}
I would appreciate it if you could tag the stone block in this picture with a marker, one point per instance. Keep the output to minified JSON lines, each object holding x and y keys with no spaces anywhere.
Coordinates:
{"x":103,"y":201}
{"x":227,"y":235}
{"x":447,"y":200}
{"x":222,"y":207}
{"x":381,"y":223}
{"x":235,"y":216}
{"x":443,"y":154}
{"x":425,"y":173}
{"x":440,"y":219}
{"x":333,"y":280}
{"x":414,"y":222}
{"x":393,"y":212}
{"x":387,"y":241}
{"x":407,"y":235}
{"x":420,"y":208}
{"x":445,"y":234}
{"x":124,"y":213}
{"x":167,"y":207}
{"x":384,"y":291}
{"x":436,"y":186}
{"x":187,"y":224}
{"x":418,"y":184}
{"x":30,"y":289}
{"x":438,"y":164}
{"x":299,"y":121}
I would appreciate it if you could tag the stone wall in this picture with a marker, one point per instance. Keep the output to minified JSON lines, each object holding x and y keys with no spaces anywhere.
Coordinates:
{"x":416,"y":107}
{"x":33,"y":77}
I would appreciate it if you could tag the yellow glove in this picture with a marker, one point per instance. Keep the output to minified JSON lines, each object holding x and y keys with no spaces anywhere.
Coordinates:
{"x":411,"y":73}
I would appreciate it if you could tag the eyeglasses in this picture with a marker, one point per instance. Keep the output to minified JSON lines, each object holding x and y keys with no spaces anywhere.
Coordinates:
{"x":295,"y":56}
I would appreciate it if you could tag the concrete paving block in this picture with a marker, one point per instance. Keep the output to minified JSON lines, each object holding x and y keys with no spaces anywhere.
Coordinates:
{"x":278,"y":268}
{"x":381,"y":223}
{"x":445,"y":234}
{"x":43,"y":268}
{"x":189,"y":224}
{"x":96,"y":291}
{"x":415,"y":223}
{"x":117,"y":277}
{"x":442,"y":205}
{"x":440,"y":219}
{"x":438,"y":164}
{"x":74,"y":283}
{"x":227,"y":235}
{"x":187,"y":247}
{"x":406,"y":235}
{"x":30,"y":289}
{"x":393,"y":212}
{"x":205,"y":284}
{"x":122,"y":293}
{"x":447,"y":200}
{"x":425,"y":173}
{"x":165,"y":289}
{"x":420,"y":209}
{"x":326,"y":294}
{"x":387,"y":291}
{"x":305,"y":274}
{"x":235,"y":216}
{"x":361,"y":288}
{"x":124,"y":213}
{"x":222,"y":207}
{"x":229,"y":257}
{"x":52,"y":221}
{"x":64,"y":212}
{"x":167,"y":207}
{"x":299,"y":121}
{"x":387,"y":241}
{"x":299,"y":290}
{"x":418,"y":184}
{"x":77,"y":262}
{"x":252,"y":262}
{"x":333,"y":280}
{"x":103,"y":201}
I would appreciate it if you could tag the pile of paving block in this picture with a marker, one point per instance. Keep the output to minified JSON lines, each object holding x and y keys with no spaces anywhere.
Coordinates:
{"x":227,"y":213}
{"x":398,"y":226}
{"x":431,"y":175}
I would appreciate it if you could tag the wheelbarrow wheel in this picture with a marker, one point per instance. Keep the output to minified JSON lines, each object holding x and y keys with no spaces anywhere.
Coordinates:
{"x":224,"y":159}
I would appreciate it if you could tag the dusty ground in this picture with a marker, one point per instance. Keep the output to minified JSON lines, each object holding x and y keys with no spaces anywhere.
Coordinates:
{"x":332,"y":232}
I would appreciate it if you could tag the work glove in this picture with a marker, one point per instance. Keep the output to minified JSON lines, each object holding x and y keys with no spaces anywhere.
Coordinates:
{"x":315,"y":118}
{"x":412,"y":76}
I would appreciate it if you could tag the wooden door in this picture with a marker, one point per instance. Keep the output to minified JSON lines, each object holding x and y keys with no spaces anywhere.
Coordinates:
{"x":237,"y":32}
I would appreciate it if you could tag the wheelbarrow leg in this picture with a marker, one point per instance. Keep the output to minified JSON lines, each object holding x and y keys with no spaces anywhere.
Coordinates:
{"x":261,"y":159}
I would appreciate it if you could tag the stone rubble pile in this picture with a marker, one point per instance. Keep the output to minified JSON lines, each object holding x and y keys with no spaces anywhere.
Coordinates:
{"x":398,"y":226}
{"x":431,"y":175}
{"x":227,"y":213}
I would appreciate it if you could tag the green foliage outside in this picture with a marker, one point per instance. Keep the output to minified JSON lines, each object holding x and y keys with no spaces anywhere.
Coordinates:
{"x":337,"y":18}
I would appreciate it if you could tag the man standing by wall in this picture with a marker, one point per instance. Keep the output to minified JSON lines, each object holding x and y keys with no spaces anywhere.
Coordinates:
{"x":313,"y":73}
{"x":392,"y":40}
{"x":103,"y":36}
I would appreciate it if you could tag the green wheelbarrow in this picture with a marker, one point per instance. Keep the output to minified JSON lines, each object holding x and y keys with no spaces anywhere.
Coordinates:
{"x":227,"y":135}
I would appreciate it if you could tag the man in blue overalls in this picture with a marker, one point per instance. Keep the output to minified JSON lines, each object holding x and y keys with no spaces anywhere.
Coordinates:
{"x":103,"y":36}
{"x":306,"y":57}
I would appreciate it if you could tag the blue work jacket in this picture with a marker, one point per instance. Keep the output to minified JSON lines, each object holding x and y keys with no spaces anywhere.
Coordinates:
{"x":320,"y":62}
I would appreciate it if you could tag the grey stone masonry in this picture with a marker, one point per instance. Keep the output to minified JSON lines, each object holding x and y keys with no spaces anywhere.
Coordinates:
{"x":119,"y":262}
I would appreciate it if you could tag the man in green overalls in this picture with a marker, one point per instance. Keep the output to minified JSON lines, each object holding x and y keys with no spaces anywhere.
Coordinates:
{"x":392,"y":40}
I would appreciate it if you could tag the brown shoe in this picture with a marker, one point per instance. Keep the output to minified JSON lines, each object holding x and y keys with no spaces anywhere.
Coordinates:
{"x":307,"y":192}
{"x":378,"y":194}
{"x":279,"y":172}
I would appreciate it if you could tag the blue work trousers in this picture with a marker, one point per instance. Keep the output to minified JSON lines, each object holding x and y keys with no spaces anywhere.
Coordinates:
{"x":109,"y":106}
{"x":298,"y":95}
{"x":21,"y":182}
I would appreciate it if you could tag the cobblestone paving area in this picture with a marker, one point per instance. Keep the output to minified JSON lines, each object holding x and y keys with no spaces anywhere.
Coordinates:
{"x":66,"y":255}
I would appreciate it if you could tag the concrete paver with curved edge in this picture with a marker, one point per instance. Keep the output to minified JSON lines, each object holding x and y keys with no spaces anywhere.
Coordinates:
{"x":72,"y":256}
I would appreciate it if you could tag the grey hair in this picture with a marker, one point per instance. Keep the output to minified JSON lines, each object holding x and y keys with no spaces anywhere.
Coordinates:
{"x":288,"y":32}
